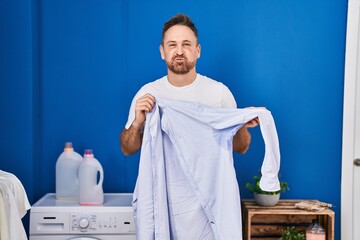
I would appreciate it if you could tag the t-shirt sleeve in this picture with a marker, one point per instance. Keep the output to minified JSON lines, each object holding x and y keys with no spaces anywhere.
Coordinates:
{"x":227,"y":98}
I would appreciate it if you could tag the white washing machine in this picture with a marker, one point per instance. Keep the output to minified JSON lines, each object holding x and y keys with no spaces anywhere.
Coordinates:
{"x":52,"y":219}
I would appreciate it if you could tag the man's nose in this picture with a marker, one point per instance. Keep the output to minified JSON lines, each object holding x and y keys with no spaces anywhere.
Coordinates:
{"x":179,"y":50}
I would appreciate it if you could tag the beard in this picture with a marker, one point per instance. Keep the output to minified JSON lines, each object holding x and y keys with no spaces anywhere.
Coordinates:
{"x":182,"y":67}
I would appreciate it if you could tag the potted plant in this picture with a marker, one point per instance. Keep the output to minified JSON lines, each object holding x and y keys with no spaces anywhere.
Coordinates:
{"x":265,"y":198}
{"x":290,"y":233}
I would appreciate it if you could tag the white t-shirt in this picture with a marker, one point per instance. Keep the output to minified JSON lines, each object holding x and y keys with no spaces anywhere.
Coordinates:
{"x":203,"y":90}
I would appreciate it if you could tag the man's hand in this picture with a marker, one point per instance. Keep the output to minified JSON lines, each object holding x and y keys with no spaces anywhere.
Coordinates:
{"x":253,"y":123}
{"x":143,"y":105}
{"x":242,"y":138}
{"x":131,"y":139}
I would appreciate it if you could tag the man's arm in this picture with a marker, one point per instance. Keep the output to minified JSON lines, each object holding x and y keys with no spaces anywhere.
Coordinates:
{"x":130,"y":140}
{"x":242,"y":139}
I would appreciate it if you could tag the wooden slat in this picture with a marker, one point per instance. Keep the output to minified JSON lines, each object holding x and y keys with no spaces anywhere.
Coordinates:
{"x":270,"y":218}
{"x":288,"y":205}
{"x":271,"y":230}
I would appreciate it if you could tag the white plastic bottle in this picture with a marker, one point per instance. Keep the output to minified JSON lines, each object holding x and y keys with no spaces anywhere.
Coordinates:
{"x":67,"y":181}
{"x":90,"y":187}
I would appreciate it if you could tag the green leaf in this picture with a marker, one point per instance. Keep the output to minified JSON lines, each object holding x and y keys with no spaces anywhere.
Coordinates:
{"x":290,"y":233}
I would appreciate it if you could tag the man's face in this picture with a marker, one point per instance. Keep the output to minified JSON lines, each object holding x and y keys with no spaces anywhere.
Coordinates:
{"x":180,"y":49}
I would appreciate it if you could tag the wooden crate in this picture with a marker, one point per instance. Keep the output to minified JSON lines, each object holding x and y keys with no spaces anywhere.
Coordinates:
{"x":265,"y":223}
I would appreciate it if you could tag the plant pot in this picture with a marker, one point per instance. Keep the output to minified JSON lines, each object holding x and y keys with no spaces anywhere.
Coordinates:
{"x":266,"y":199}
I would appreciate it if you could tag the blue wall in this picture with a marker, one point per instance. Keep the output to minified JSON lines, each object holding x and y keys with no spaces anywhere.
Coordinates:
{"x":69,"y":70}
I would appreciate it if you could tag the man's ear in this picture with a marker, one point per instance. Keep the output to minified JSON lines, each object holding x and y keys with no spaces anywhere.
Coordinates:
{"x":161,"y":48}
{"x":199,"y":50}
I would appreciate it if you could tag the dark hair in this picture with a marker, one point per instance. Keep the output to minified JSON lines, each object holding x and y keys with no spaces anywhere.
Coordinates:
{"x":179,"y":19}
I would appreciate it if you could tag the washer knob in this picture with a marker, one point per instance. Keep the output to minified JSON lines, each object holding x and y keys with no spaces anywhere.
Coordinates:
{"x":84,"y":223}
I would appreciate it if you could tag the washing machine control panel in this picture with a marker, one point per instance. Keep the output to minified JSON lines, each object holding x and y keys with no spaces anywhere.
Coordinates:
{"x":108,"y":223}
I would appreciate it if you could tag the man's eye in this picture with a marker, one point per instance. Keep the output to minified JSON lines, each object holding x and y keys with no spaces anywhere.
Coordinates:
{"x":187,"y":44}
{"x":172,"y":45}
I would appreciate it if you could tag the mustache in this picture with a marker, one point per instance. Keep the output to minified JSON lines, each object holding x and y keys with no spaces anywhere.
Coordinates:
{"x":178,"y":56}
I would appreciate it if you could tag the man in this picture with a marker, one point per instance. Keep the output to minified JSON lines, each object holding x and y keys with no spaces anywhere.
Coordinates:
{"x":180,"y":50}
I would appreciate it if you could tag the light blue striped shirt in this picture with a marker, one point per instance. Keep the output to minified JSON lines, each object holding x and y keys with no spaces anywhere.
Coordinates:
{"x":186,"y":187}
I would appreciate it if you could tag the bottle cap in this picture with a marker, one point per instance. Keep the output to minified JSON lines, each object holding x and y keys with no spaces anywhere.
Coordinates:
{"x":315,"y":221}
{"x":68,"y":146}
{"x":88,"y":152}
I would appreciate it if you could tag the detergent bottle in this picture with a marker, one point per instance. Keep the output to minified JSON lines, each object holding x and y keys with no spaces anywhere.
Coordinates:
{"x":90,"y":187}
{"x":66,"y":180}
